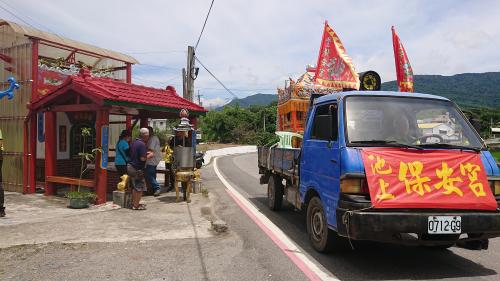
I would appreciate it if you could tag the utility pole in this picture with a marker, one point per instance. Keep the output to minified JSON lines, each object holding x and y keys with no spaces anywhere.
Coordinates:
{"x":184,"y":83}
{"x":189,"y":75}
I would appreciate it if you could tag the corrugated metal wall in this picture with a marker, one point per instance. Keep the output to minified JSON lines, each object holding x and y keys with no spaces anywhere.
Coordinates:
{"x":13,"y":112}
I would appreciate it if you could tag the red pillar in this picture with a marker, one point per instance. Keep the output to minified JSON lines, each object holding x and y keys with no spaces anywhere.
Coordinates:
{"x":101,"y":175}
{"x":25,"y":157}
{"x":294,"y":121}
{"x":128,"y":123}
{"x":129,"y":73}
{"x":50,"y":150}
{"x":32,"y":160}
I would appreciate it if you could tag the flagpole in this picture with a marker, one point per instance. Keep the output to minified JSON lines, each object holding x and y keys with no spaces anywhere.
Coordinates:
{"x":395,"y":48}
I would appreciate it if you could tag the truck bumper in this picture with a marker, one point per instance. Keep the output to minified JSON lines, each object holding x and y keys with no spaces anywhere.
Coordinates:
{"x":410,"y":226}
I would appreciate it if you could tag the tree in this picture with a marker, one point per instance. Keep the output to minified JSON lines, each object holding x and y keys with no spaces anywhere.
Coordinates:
{"x":234,"y":124}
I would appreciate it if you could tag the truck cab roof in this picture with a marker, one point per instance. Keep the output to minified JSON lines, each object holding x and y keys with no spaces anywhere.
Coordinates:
{"x":341,"y":95}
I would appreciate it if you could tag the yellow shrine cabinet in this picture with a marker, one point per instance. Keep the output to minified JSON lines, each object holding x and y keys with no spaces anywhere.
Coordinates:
{"x":293,"y":101}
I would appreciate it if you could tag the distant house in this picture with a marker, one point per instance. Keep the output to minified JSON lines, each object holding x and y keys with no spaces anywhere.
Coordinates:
{"x":161,"y":124}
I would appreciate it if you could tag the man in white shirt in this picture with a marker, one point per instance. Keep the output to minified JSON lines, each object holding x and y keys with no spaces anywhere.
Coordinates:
{"x":153,"y":145}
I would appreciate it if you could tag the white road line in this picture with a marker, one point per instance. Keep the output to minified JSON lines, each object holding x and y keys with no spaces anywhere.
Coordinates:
{"x":287,"y":245}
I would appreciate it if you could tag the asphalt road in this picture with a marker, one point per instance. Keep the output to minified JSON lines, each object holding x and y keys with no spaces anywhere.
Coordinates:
{"x":374,"y":261}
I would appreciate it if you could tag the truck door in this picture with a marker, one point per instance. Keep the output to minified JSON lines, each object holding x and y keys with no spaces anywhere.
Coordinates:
{"x":320,"y":159}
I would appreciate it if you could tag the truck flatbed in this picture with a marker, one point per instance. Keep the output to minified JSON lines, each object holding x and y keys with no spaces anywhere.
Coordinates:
{"x":283,"y":161}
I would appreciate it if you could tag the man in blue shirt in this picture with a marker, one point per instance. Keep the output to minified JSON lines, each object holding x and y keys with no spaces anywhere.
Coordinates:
{"x":135,"y":169}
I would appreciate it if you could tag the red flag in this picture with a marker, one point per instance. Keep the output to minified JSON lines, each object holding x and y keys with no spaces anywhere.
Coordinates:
{"x":334,"y":68}
{"x":404,"y":72}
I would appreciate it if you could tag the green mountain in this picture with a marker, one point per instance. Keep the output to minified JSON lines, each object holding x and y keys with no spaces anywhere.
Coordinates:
{"x":467,"y":89}
{"x":257,"y":99}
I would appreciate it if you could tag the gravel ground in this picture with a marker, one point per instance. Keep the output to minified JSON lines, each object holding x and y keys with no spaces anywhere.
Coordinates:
{"x":149,"y":260}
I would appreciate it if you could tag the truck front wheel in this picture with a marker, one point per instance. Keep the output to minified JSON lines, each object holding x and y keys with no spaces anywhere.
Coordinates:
{"x":274,"y":193}
{"x":317,"y":227}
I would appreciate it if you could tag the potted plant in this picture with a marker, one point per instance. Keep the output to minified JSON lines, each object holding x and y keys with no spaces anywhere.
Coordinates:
{"x":80,"y":199}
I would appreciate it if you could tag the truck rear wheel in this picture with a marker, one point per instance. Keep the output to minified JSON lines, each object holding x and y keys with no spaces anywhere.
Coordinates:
{"x":274,"y":193}
{"x":322,"y":238}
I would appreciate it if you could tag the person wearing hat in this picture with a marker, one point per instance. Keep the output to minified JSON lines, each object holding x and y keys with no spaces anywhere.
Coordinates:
{"x":122,"y":152}
{"x":2,"y":208}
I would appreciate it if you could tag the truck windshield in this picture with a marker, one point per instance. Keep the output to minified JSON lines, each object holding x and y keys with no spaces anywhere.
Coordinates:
{"x":407,"y":121}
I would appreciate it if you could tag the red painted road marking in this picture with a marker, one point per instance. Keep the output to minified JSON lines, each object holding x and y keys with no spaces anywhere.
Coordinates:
{"x":286,"y":245}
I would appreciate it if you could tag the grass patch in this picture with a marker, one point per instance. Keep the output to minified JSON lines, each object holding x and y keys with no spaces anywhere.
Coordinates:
{"x":496,"y":154}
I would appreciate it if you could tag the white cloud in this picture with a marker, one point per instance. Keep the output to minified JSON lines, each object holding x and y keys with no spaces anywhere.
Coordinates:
{"x":213,"y":103}
{"x":258,"y":44}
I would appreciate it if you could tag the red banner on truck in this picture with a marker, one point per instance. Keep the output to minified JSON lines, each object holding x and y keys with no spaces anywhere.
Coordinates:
{"x":444,"y":179}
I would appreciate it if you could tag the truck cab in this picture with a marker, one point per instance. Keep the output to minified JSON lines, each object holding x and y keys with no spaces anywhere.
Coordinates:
{"x":378,"y":165}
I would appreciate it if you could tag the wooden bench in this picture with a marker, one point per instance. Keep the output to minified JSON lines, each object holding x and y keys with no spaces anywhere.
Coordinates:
{"x":72,"y":182}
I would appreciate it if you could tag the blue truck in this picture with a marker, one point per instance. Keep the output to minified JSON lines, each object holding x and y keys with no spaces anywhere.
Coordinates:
{"x":325,"y":175}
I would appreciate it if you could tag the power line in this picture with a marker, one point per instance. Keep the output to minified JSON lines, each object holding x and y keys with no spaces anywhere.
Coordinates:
{"x":220,"y":82}
{"x":155,"y":81}
{"x":25,"y":22}
{"x":158,"y":66}
{"x":153,"y":52}
{"x":14,"y":15}
{"x":147,"y":80}
{"x":241,"y":90}
{"x":28,"y":17}
{"x":203,"y":28}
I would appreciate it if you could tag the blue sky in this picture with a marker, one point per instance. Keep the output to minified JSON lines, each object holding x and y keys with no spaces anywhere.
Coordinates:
{"x":253,"y":46}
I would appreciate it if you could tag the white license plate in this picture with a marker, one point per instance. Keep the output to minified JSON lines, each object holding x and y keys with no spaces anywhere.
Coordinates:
{"x":444,"y":224}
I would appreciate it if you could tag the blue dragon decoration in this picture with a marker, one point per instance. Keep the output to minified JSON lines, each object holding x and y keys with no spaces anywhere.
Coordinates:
{"x":10,"y":91}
